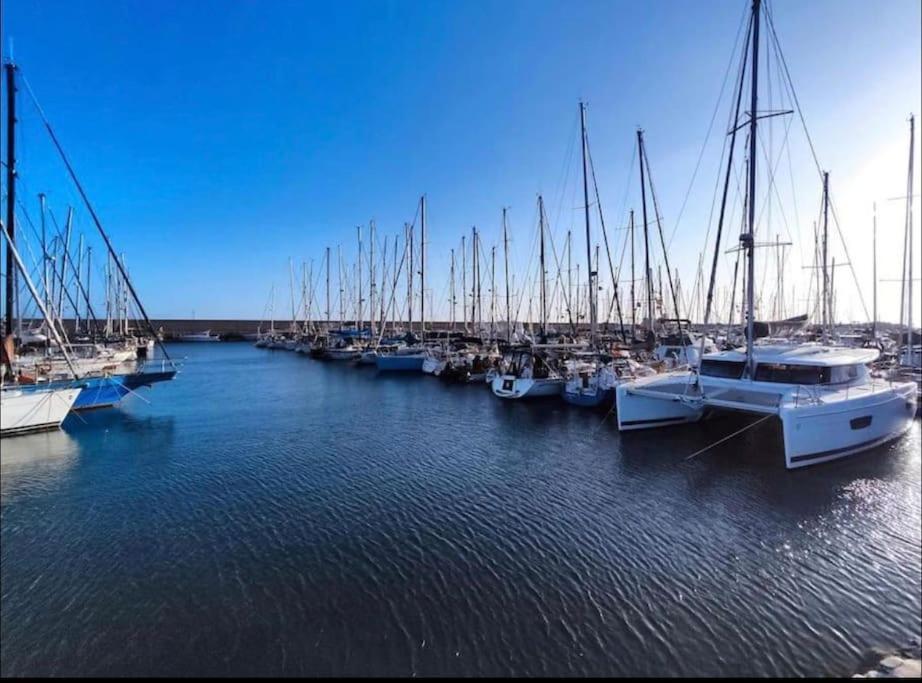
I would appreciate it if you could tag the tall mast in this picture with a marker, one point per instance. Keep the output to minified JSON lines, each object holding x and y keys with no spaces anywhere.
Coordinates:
{"x":543,"y":300}
{"x":474,"y":277}
{"x":593,"y":322}
{"x":748,"y":239}
{"x":108,"y":295}
{"x":910,"y":352}
{"x":384,"y":283}
{"x":67,"y":231}
{"x":89,"y":258}
{"x":79,"y":268}
{"x":291,"y":290}
{"x":825,"y":304}
{"x":410,"y":279}
{"x":508,"y":300}
{"x":309,"y":323}
{"x":464,"y":280}
{"x":328,"y":289}
{"x":570,"y":279}
{"x":396,"y":275}
{"x":123,"y":299}
{"x":493,"y":293}
{"x":45,"y":283}
{"x":633,"y":303}
{"x":874,"y":274}
{"x":452,"y":294}
{"x":10,"y":193}
{"x":477,"y":283}
{"x":648,"y":283}
{"x":371,"y":296}
{"x":422,"y":266}
{"x":359,"y":312}
{"x":342,"y":302}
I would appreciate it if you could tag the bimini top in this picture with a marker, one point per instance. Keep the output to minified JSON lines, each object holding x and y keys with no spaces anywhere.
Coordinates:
{"x":801,"y":354}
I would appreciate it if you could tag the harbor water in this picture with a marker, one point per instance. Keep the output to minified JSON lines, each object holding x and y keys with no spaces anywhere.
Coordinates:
{"x":268,"y":514}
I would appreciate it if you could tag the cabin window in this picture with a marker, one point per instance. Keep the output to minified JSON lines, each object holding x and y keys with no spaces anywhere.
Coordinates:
{"x":730,"y":369}
{"x":792,"y":374}
{"x":844,"y":373}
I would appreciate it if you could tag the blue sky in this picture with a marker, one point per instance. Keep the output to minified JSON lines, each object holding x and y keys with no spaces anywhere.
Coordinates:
{"x":219,"y":138}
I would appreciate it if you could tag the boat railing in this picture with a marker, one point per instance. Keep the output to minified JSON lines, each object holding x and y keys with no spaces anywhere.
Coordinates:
{"x":157,"y":365}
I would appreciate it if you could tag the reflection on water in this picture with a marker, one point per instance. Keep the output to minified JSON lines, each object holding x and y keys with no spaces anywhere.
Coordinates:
{"x":32,"y":463}
{"x":269,"y":514}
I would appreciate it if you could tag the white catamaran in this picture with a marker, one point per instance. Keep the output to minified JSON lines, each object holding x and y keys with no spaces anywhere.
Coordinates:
{"x":828,"y":402}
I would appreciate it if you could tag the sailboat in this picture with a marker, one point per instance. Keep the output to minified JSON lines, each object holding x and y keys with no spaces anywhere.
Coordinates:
{"x":25,"y":404}
{"x":525,"y":370}
{"x":104,"y":363}
{"x":828,"y":402}
{"x":410,"y":358}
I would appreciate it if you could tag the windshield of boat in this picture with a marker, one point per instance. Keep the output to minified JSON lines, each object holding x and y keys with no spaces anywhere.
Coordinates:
{"x":731,"y":369}
{"x":793,"y":374}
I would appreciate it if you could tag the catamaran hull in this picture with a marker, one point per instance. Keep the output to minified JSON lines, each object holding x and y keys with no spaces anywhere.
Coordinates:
{"x":511,"y":387}
{"x":816,"y":434}
{"x":398,"y":363}
{"x":636,"y":411}
{"x":35,"y":408}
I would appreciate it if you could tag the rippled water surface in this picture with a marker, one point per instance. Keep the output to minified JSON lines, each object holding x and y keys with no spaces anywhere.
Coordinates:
{"x":271,"y":514}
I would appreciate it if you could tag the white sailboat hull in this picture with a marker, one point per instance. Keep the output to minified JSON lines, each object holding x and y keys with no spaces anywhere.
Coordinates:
{"x":512,"y":387}
{"x":34,"y":409}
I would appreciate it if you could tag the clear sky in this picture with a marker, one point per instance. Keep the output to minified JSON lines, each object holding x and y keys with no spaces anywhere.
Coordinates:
{"x":218,"y":138}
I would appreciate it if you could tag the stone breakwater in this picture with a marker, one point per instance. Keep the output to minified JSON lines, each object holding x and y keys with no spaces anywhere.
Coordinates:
{"x":904,"y":662}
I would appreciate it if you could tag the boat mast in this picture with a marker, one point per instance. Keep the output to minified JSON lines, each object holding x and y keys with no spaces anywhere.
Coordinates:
{"x":910,"y":350}
{"x":452,"y":294}
{"x":748,"y":239}
{"x":506,"y":259}
{"x":825,"y":247}
{"x":474,"y":278}
{"x":464,"y":280}
{"x":342,"y":303}
{"x":79,"y":268}
{"x":359,"y":312}
{"x":493,"y":293}
{"x":10,"y":70}
{"x":89,"y":258}
{"x":410,"y":279}
{"x":291,"y":291}
{"x":371,"y":297}
{"x":422,"y":267}
{"x":477,"y":283}
{"x":328,"y":289}
{"x":123,"y":299}
{"x":570,"y":280}
{"x":593,"y":322}
{"x":648,"y":283}
{"x":874,"y":273}
{"x":67,"y":232}
{"x":309,"y":322}
{"x":543,"y":270}
{"x":383,"y":311}
{"x":633,"y":303}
